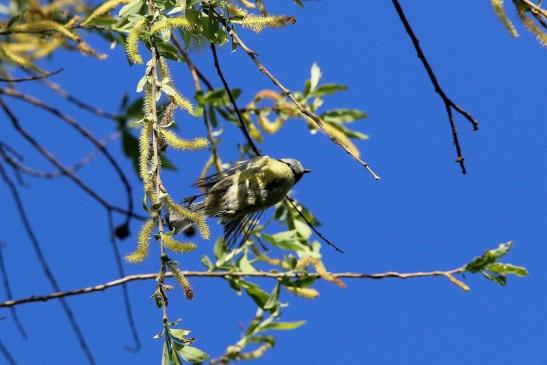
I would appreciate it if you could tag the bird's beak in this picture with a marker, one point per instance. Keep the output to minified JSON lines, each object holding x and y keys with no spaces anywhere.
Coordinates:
{"x":306,"y":171}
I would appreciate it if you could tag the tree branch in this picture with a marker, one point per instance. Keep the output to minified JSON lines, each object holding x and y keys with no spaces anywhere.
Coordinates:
{"x":44,"y":264}
{"x":32,"y":78}
{"x":242,"y":124}
{"x":9,"y":295}
{"x":448,"y":103}
{"x":301,"y":108}
{"x":223,"y":274}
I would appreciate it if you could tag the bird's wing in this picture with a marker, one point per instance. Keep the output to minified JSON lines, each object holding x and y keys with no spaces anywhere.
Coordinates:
{"x":209,"y":181}
{"x":243,"y":225}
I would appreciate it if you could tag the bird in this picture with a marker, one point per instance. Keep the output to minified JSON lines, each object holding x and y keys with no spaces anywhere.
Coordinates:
{"x":239,"y":195}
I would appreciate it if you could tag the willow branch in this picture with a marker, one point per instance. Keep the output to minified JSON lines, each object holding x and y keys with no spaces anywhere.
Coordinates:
{"x":226,"y":274}
{"x":242,"y":124}
{"x":535,"y":8}
{"x":43,"y":262}
{"x":54,"y":161}
{"x":16,"y":163}
{"x":303,"y":109}
{"x":447,"y":101}
{"x":32,"y":78}
{"x":9,"y":295}
{"x":84,"y":133}
{"x":7,"y":355}
{"x":125,"y":292}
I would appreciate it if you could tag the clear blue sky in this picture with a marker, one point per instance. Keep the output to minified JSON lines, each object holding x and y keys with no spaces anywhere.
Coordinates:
{"x":423,"y":215}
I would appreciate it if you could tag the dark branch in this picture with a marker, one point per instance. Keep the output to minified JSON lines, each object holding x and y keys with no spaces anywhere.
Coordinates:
{"x":7,"y":355}
{"x":32,"y":78}
{"x":224,"y":274}
{"x":125,"y":292}
{"x":242,"y":124}
{"x":448,"y":103}
{"x":9,"y":294}
{"x":43,"y":262}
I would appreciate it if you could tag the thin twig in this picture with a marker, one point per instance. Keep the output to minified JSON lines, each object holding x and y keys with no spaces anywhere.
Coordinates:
{"x":84,"y":133}
{"x":9,"y":294}
{"x":325,"y":239}
{"x":16,"y":163}
{"x":225,"y":274}
{"x":79,"y":103}
{"x":448,"y":103}
{"x":43,"y":262}
{"x":242,"y":124}
{"x":125,"y":292}
{"x":32,"y":78}
{"x":303,"y":109}
{"x":7,"y":355}
{"x":535,"y":8}
{"x":51,"y":158}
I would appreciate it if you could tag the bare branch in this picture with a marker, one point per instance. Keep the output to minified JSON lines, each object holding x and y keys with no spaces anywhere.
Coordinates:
{"x":86,"y":134}
{"x":51,"y":158}
{"x":7,"y":355}
{"x":43,"y":262}
{"x":32,"y":78}
{"x":448,"y":103}
{"x":125,"y":292}
{"x":242,"y":124}
{"x":9,"y":295}
{"x":225,"y":274}
{"x":16,"y":163}
{"x":301,"y":108}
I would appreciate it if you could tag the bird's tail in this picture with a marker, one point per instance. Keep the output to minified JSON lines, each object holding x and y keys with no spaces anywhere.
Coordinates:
{"x":178,"y":223}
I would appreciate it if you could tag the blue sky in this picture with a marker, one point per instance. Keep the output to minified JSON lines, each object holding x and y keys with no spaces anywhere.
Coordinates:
{"x":423,"y":215}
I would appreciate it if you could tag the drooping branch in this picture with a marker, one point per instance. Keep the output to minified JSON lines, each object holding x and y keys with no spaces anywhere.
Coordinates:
{"x":242,"y":124}
{"x":31,"y":78}
{"x":447,"y":101}
{"x":223,"y":274}
{"x":303,"y":110}
{"x":9,"y":295}
{"x":48,"y":273}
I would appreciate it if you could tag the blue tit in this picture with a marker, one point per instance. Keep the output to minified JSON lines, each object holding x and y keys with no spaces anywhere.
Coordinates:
{"x":240,"y":194}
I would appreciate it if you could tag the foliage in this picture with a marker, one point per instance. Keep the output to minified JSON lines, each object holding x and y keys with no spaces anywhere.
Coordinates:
{"x":154,"y":25}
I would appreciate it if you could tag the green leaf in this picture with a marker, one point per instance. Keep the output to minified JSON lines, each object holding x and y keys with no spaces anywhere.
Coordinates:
{"x":284,"y":326}
{"x":327,"y":89}
{"x":504,"y":269}
{"x":287,"y":240}
{"x":302,"y":228}
{"x":299,"y":3}
{"x":259,"y":296}
{"x":167,"y":50}
{"x":132,"y":8}
{"x":219,"y":249}
{"x":489,"y":257}
{"x":315,"y":76}
{"x":498,"y":279}
{"x":245,"y":265}
{"x":274,"y":297}
{"x":192,"y":354}
{"x":343,"y":115}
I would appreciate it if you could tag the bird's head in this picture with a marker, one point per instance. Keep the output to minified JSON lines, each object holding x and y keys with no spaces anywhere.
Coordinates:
{"x":296,"y":167}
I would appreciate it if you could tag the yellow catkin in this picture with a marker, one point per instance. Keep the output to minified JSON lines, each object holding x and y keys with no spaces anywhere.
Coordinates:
{"x":247,"y":4}
{"x":258,"y":23}
{"x":335,"y":133}
{"x":184,"y":144}
{"x":182,"y":102}
{"x":169,"y":23}
{"x":14,"y":58}
{"x":457,"y":282}
{"x":308,"y":293}
{"x":176,"y":97}
{"x":320,"y":269}
{"x":530,"y":25}
{"x":103,"y":9}
{"x":499,"y":10}
{"x":143,"y":243}
{"x":197,"y":218}
{"x":184,"y":283}
{"x":44,"y":26}
{"x":132,"y":42}
{"x":144,"y":151}
{"x":177,"y":246}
